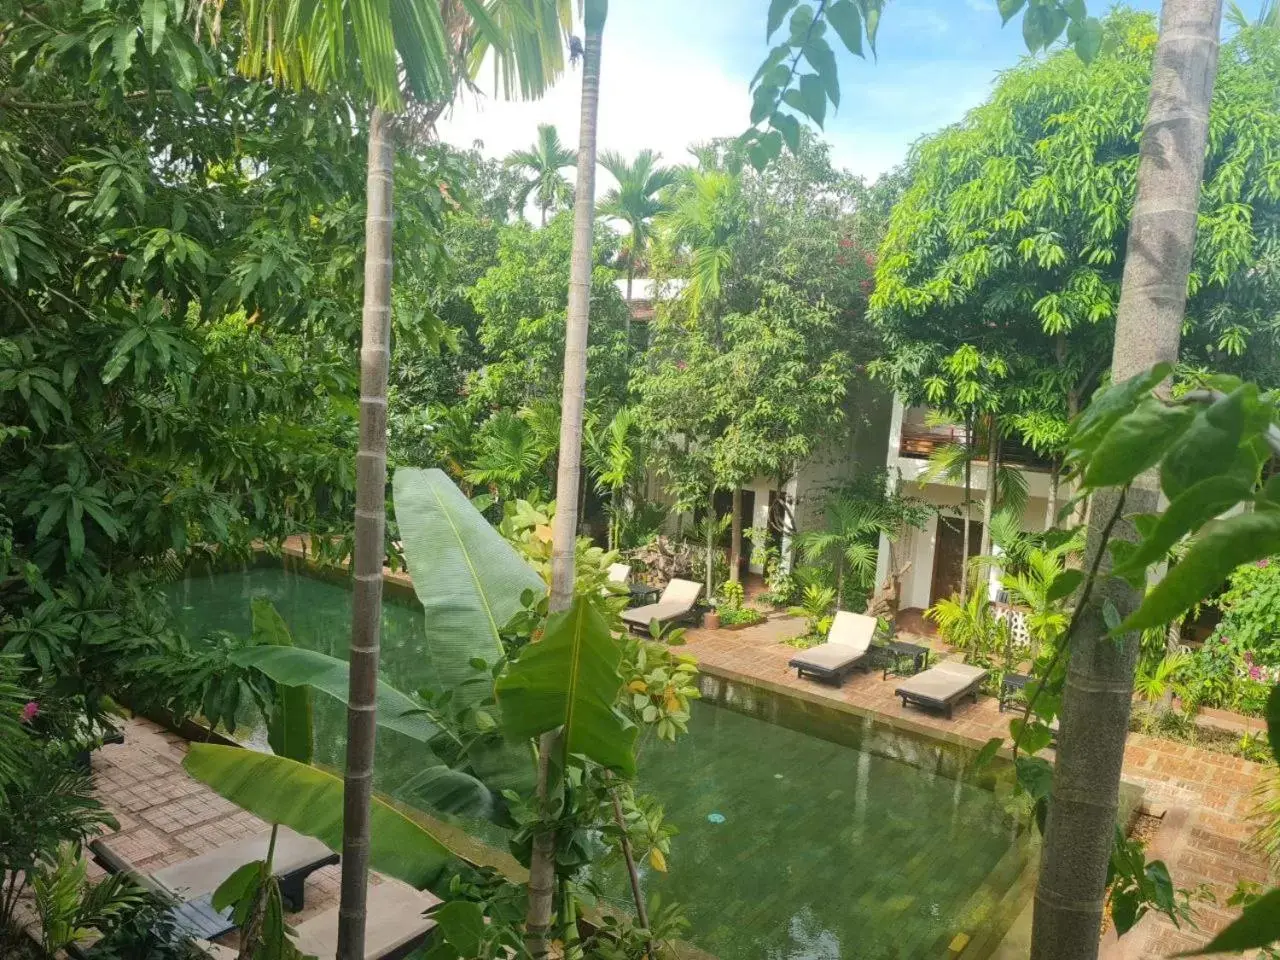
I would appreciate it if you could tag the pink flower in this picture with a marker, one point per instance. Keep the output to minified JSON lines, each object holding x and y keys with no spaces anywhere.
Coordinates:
{"x":1248,"y":656}
{"x":1255,"y":673}
{"x":1264,"y":563}
{"x":30,"y":711}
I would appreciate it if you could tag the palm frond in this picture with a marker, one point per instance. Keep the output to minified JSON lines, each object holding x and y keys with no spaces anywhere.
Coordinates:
{"x":945,"y":463}
{"x":1012,"y":491}
{"x":530,"y":57}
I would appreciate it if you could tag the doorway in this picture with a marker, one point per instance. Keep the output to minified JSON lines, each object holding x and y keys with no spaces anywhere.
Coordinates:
{"x":948,"y":552}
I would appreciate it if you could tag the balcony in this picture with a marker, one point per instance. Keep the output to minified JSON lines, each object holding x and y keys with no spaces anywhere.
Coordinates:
{"x":920,"y":440}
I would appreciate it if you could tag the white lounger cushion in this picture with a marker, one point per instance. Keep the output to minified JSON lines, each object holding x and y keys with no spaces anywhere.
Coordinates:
{"x":395,"y":918}
{"x":204,"y":874}
{"x":676,"y":600}
{"x":946,"y":681}
{"x":619,"y":572}
{"x":853,"y":631}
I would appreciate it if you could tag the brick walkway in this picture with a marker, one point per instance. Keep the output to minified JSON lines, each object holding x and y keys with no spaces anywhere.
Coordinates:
{"x":167,"y":817}
{"x":1204,"y":796}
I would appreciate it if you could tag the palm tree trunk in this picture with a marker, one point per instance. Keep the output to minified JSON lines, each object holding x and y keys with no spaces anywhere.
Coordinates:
{"x":989,"y":501}
{"x":735,"y":537}
{"x":1099,"y":686}
{"x":615,"y":512}
{"x":564,"y":530}
{"x":964,"y":509}
{"x":626,"y":321}
{"x":371,"y":514}
{"x":711,"y":541}
{"x":1051,"y":506}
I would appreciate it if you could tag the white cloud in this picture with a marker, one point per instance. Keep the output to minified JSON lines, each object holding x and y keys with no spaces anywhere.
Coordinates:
{"x":647,"y":100}
{"x":666,"y":91}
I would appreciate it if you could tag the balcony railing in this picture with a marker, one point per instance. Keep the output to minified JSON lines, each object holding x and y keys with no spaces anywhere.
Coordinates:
{"x":920,"y":442}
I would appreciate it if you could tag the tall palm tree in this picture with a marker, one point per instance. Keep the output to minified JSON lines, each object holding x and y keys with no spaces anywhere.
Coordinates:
{"x":564,"y":530}
{"x":702,"y":223}
{"x":1153,"y":298}
{"x":415,"y":50}
{"x":542,"y":163}
{"x":636,"y":200}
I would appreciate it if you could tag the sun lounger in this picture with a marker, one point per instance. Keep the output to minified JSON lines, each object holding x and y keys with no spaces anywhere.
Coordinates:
{"x":676,"y":603}
{"x":192,"y":882}
{"x":295,"y":858}
{"x":941,"y":687}
{"x":394,"y":926}
{"x":848,"y":647}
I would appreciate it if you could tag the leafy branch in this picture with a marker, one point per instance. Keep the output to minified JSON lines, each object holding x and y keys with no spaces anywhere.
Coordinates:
{"x":780,"y":82}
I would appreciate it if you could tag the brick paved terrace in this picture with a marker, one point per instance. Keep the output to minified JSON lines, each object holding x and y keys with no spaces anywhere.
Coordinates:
{"x":1202,"y":796}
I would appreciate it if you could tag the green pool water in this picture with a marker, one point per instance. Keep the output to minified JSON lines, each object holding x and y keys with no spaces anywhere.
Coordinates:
{"x":804,"y":834}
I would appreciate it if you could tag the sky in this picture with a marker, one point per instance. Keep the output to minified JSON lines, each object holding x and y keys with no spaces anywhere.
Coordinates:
{"x":676,"y":72}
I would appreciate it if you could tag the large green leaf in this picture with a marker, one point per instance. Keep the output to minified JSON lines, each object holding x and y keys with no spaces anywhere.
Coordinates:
{"x":1136,"y":442}
{"x":1216,"y":552}
{"x":843,"y":15}
{"x":280,"y":790}
{"x":1197,"y":505}
{"x":290,"y":729}
{"x":1258,"y":926}
{"x":467,"y":577}
{"x":329,"y":675}
{"x":1108,"y":406}
{"x":1209,"y":443}
{"x":778,"y":10}
{"x":570,"y":679}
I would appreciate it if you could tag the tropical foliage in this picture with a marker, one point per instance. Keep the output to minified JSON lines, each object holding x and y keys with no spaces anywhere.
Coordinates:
{"x":493,"y":690}
{"x":986,"y":230}
{"x":540,"y":167}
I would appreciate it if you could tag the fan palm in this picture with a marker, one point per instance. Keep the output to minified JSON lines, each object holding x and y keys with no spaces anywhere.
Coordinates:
{"x":636,"y":201}
{"x":853,"y":529}
{"x":542,"y":164}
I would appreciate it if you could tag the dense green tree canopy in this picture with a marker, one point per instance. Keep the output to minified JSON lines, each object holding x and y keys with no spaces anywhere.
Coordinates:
{"x":521,"y":301}
{"x":179,"y":289}
{"x":749,"y":367}
{"x":1011,"y":235}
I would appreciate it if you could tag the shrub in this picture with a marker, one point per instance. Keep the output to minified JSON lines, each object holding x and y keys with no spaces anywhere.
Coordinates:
{"x":815,"y":606}
{"x":1251,"y":612}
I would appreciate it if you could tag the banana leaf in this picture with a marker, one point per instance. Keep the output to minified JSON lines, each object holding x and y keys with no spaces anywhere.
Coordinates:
{"x":297,"y":666}
{"x":290,"y":729}
{"x":280,"y":790}
{"x":570,"y":679}
{"x":467,"y":577}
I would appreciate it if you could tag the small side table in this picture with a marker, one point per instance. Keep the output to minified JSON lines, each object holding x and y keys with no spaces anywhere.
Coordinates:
{"x":896,"y":651}
{"x":642,"y":593}
{"x":1011,"y":688}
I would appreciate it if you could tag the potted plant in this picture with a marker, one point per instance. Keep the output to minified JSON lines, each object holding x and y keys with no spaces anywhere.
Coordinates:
{"x":732,"y":611}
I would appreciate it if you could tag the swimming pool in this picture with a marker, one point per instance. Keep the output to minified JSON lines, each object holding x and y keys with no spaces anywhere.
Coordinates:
{"x":805,"y":833}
